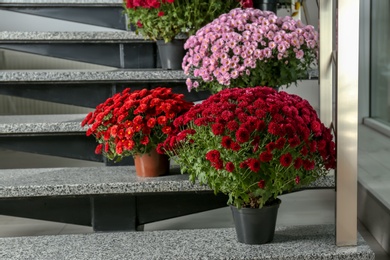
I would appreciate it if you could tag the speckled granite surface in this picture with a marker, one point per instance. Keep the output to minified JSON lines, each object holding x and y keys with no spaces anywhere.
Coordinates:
{"x":290,"y":243}
{"x":41,"y":124}
{"x":96,"y":180}
{"x":106,"y":36}
{"x":149,"y":75}
{"x":87,"y":180}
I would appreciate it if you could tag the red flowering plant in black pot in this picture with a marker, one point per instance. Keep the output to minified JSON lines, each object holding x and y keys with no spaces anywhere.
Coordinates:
{"x":252,"y":144}
{"x":133,"y":123}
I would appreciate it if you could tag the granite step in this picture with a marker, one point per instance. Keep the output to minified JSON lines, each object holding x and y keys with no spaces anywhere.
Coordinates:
{"x":119,"y":49}
{"x":290,"y":243}
{"x":102,"y":13}
{"x":41,"y":124}
{"x":77,"y":181}
{"x":72,"y":86}
{"x":43,"y":134}
{"x":108,"y":198}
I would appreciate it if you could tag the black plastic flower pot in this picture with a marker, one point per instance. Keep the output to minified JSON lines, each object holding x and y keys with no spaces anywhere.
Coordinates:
{"x":266,"y":5}
{"x":171,"y":54}
{"x":255,"y":226}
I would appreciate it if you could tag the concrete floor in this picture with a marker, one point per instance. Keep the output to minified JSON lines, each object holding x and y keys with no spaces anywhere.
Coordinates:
{"x":309,"y":207}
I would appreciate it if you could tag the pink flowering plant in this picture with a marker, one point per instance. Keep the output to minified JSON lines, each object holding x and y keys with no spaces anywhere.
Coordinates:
{"x":252,"y":144}
{"x":134,"y":122}
{"x":165,"y":19}
{"x":249,"y":47}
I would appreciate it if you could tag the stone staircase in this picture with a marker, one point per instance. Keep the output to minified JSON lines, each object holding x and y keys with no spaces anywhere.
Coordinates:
{"x":112,"y":198}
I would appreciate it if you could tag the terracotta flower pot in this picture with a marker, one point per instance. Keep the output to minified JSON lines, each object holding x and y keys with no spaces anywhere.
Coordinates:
{"x":151,"y":165}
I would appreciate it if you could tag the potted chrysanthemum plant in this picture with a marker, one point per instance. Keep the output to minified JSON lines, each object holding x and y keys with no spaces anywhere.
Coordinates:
{"x":133,"y":123}
{"x":249,"y":47}
{"x":170,"y":22}
{"x":252,"y":144}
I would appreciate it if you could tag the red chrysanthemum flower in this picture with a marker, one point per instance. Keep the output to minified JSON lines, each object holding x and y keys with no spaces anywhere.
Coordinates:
{"x":321,"y":145}
{"x":279,"y":144}
{"x":227,"y":115}
{"x":138,"y":120}
{"x":229,"y":166}
{"x":98,"y":149}
{"x":107,"y":135}
{"x":106,"y":147}
{"x":200,"y":121}
{"x":261,"y":184}
{"x":213,"y":155}
{"x":260,"y":125}
{"x":273,"y":128}
{"x":218,"y":129}
{"x":270,"y":146}
{"x":227,"y":142}
{"x":304,"y":150}
{"x":151,"y":122}
{"x":119,"y":149}
{"x":235,"y":147}
{"x":266,"y":156}
{"x":172,"y":141}
{"x":286,"y":159}
{"x":242,"y":117}
{"x":129,"y":145}
{"x":162,"y":120}
{"x":144,"y":140}
{"x":313,"y":146}
{"x":218,"y":164}
{"x":260,"y":113}
{"x":243,"y":165}
{"x":232,"y":125}
{"x":297,"y":163}
{"x":242,"y":135}
{"x":294,"y":142}
{"x":316,"y":127}
{"x":166,"y":130}
{"x":308,"y":165}
{"x":254,"y":164}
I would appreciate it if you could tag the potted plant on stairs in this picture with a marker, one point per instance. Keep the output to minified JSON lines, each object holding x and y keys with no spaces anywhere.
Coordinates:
{"x":171,"y":22}
{"x":133,"y":123}
{"x":249,"y":47}
{"x":252,"y":144}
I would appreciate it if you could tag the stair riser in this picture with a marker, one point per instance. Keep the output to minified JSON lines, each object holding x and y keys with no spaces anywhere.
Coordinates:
{"x":75,"y":94}
{"x":118,"y":55}
{"x":68,"y":145}
{"x":112,"y":212}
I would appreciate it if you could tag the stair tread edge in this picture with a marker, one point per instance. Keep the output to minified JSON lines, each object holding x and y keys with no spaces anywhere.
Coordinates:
{"x":70,"y":181}
{"x":90,"y":75}
{"x":290,"y":242}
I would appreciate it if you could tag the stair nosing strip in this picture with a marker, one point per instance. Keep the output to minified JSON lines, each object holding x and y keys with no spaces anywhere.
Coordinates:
{"x":68,"y":36}
{"x":136,"y":75}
